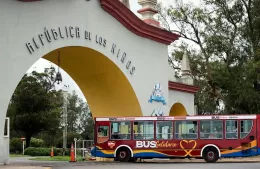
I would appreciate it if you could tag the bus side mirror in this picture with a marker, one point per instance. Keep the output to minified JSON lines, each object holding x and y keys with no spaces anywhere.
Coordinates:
{"x":251,"y":138}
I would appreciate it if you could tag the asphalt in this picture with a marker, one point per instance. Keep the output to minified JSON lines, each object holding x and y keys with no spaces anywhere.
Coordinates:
{"x":238,"y":163}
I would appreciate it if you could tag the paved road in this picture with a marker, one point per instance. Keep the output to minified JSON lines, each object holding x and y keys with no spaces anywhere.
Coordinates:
{"x":24,"y":163}
{"x":166,"y":166}
{"x":115,"y":165}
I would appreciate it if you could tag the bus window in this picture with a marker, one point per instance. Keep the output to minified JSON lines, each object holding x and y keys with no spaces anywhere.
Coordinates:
{"x":245,"y":127}
{"x":231,"y":129}
{"x":211,"y":129}
{"x":186,"y":129}
{"x":120,"y":130}
{"x":144,"y":130}
{"x":102,"y":134}
{"x":164,"y":130}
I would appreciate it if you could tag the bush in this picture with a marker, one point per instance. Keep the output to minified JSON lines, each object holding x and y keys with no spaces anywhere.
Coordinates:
{"x":36,"y":142}
{"x":41,"y":151}
{"x":16,"y":145}
{"x":37,"y":151}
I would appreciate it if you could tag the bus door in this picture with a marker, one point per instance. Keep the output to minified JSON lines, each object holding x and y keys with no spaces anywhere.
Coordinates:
{"x":248,"y":137}
{"x":102,"y":132}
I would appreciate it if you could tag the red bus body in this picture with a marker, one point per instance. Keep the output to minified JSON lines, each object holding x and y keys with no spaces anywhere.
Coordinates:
{"x":222,"y":136}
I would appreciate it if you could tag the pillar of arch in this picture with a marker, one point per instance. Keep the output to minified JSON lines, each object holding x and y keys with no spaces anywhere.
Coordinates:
{"x":104,"y":47}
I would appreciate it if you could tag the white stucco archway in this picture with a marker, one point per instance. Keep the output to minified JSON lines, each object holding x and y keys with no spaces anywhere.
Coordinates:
{"x":104,"y":26}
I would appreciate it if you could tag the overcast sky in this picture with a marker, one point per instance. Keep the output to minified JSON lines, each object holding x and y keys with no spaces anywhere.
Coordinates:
{"x":67,"y":80}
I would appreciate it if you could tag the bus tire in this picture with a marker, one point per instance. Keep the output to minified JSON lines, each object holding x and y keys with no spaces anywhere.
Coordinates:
{"x":210,"y":155}
{"x":123,"y":154}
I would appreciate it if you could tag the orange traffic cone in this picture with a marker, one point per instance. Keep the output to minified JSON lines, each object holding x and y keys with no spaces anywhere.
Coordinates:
{"x":52,"y":153}
{"x":72,"y":154}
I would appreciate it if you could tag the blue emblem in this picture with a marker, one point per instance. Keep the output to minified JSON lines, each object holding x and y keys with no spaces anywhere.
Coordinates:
{"x":157,"y":94}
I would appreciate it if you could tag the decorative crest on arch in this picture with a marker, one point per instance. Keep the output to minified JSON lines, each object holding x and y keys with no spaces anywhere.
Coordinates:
{"x":136,"y":25}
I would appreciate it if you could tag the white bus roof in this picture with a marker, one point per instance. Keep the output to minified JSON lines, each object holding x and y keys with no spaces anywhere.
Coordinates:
{"x":216,"y":117}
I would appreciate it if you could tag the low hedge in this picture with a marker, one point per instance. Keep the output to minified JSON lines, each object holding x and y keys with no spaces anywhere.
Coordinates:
{"x":42,"y":151}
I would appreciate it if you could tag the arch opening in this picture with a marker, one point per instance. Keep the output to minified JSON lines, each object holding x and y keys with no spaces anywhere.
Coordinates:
{"x":107,"y":89}
{"x":178,"y":110}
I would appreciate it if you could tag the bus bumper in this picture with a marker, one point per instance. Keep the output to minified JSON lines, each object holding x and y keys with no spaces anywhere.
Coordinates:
{"x":93,"y":151}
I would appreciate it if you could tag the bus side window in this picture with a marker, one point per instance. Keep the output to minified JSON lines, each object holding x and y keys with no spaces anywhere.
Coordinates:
{"x":186,"y":129}
{"x":211,"y":129}
{"x":144,"y":130}
{"x":231,"y":129}
{"x":245,"y":127}
{"x":121,"y":130}
{"x":163,"y":130}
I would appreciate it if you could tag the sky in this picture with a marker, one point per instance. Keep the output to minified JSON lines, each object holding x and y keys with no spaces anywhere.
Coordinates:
{"x":67,"y":80}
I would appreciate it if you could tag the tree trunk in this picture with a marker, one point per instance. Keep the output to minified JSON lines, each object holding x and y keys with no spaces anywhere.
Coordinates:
{"x":28,"y":140}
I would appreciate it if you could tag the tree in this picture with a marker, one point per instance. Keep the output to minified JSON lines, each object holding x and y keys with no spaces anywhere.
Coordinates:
{"x":35,"y":106}
{"x":80,"y":119}
{"x":74,"y":111}
{"x":87,"y":124}
{"x":222,"y":40}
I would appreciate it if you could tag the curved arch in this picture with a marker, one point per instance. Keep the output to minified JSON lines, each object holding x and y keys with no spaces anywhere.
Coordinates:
{"x":178,"y":110}
{"x":108,"y":91}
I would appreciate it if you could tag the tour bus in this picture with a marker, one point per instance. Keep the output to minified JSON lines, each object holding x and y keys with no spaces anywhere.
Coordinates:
{"x":209,"y":137}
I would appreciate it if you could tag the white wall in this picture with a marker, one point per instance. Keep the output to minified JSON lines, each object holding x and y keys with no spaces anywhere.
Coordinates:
{"x":186,"y":99}
{"x":21,"y":21}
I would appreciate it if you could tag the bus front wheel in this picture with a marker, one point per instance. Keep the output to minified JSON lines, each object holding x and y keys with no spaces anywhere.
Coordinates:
{"x":210,"y":155}
{"x":123,"y":155}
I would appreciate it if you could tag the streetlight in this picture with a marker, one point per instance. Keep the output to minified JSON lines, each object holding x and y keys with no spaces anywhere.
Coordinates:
{"x":65,"y":117}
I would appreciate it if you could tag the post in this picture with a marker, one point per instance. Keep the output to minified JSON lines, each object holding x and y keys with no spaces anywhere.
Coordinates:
{"x":23,"y":147}
{"x":64,"y":121}
{"x":75,"y":140}
{"x":83,"y":149}
{"x":23,"y":140}
{"x":6,"y":141}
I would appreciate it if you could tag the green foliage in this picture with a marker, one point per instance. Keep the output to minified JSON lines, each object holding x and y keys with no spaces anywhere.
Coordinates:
{"x":36,"y":142}
{"x":222,"y":39}
{"x":51,"y":137}
{"x":42,"y":117}
{"x":16,"y":145}
{"x":74,"y":111}
{"x":70,"y":139}
{"x":41,"y":151}
{"x":34,"y":105}
{"x":88,"y":128}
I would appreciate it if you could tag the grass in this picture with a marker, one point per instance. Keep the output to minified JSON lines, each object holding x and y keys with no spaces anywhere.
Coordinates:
{"x":55,"y":158}
{"x":18,"y":155}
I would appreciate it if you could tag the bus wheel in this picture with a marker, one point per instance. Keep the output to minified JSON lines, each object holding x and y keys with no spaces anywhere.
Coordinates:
{"x":123,"y":155}
{"x":210,"y":155}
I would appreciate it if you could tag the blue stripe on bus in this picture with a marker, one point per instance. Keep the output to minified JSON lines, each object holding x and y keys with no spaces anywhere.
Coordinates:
{"x":243,"y":153}
{"x":150,"y":154}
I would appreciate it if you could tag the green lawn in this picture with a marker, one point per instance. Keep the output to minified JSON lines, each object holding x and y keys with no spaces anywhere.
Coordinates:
{"x":18,"y":155}
{"x":55,"y":158}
